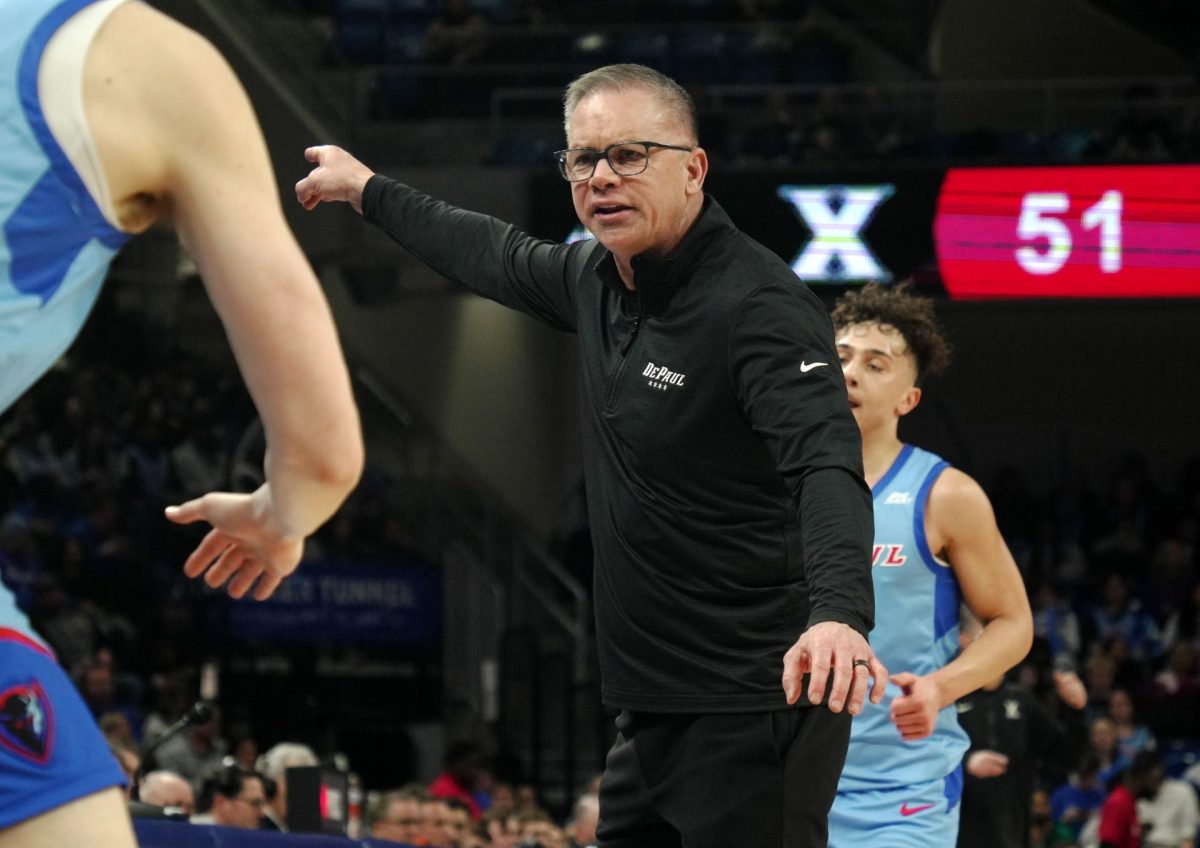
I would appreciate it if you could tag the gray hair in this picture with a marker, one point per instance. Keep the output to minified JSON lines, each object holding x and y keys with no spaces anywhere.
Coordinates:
{"x":673,"y":96}
{"x":283,"y":756}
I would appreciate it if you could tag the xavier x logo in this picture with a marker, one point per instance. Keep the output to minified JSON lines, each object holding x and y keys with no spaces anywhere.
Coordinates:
{"x":837,"y":215}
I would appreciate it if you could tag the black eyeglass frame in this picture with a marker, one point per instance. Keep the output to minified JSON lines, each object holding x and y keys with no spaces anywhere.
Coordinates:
{"x":560,"y":156}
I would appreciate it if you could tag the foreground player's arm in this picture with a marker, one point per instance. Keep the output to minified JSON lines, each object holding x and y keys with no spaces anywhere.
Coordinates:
{"x":174,"y":126}
{"x":961,"y":525}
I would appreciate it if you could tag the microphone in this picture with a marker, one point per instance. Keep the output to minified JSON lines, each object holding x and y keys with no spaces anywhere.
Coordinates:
{"x":200,"y":712}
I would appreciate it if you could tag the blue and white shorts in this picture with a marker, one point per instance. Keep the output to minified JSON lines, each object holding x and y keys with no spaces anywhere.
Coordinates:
{"x":51,"y":751}
{"x":921,"y":816}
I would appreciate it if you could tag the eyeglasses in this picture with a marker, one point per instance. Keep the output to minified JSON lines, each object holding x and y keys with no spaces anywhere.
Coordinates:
{"x":627,"y":158}
{"x":256,"y":803}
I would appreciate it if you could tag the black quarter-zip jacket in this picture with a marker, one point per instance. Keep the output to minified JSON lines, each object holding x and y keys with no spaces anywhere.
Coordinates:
{"x":722,"y":464}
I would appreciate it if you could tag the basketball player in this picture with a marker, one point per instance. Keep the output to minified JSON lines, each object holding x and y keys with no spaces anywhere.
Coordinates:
{"x":936,"y":541}
{"x":114,"y":118}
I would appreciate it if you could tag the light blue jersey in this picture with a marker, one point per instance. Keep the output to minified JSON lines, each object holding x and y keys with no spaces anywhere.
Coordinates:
{"x":55,"y":244}
{"x":916,"y":630}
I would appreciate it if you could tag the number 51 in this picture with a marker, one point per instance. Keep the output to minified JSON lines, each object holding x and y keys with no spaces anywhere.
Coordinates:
{"x":1037,"y":220}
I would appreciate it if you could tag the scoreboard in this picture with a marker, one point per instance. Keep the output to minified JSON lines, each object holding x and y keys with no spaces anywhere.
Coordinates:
{"x":1121,"y":231}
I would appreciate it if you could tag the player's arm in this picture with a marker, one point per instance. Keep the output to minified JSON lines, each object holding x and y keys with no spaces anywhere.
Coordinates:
{"x":187,"y":141}
{"x":961,"y":526}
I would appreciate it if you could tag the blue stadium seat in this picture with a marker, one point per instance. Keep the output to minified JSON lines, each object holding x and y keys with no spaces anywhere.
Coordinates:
{"x":496,"y":11}
{"x":747,"y":64}
{"x":397,"y":94}
{"x":404,"y":42}
{"x":815,"y":64}
{"x":358,"y":29}
{"x":1179,"y":755}
{"x":522,"y":151}
{"x":700,"y":56}
{"x":645,"y":48}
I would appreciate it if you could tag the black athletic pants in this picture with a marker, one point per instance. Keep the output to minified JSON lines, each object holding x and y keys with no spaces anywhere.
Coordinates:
{"x":741,"y":780}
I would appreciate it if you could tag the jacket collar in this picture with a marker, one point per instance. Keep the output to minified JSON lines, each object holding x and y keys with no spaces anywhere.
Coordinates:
{"x":659,"y":277}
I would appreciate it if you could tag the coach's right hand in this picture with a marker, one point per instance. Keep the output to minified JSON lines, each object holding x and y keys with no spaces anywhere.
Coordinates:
{"x":337,"y":177}
{"x":834,"y":654}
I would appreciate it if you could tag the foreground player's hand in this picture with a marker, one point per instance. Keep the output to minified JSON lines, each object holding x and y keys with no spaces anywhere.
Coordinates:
{"x":244,"y":548}
{"x":337,"y":177}
{"x":833,"y":647}
{"x":915,"y":712}
{"x":984,"y":763}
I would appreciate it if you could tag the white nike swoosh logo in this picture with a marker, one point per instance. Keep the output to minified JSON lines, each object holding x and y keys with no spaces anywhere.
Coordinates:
{"x":805,"y":367}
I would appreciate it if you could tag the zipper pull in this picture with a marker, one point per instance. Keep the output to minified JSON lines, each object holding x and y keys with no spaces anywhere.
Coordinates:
{"x":637,"y":323}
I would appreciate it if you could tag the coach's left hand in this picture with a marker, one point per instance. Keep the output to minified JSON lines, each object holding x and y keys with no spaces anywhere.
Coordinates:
{"x":833,"y":647}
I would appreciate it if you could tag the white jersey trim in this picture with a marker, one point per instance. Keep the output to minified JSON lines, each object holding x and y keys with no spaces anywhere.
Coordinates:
{"x":60,"y":91}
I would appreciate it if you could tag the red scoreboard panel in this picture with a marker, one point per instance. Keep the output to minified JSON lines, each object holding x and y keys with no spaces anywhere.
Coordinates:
{"x":1118,"y":231}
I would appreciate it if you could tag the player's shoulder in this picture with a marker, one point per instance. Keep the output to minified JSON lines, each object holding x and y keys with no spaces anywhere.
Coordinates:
{"x":956,"y":498}
{"x":160,"y":61}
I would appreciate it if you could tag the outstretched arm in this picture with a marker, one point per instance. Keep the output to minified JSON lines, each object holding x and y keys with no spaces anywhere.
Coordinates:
{"x":174,"y":128}
{"x":960,"y":523}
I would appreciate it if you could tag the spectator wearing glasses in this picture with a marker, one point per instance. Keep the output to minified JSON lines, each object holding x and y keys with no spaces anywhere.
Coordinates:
{"x":398,"y":816}
{"x":723,"y":467}
{"x":236,"y":797}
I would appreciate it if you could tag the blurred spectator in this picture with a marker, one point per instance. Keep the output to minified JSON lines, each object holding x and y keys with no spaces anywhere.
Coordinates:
{"x":525,"y":797}
{"x":128,"y":757}
{"x":463,"y":765}
{"x":167,"y":789}
{"x":582,"y":827}
{"x":1080,"y":798}
{"x":1170,"y":579}
{"x":457,"y":34}
{"x":70,"y":631}
{"x":245,"y":751}
{"x":458,"y":822}
{"x":196,"y":752}
{"x":1119,"y":823}
{"x":435,"y":822}
{"x":500,"y":828}
{"x":1132,"y":736}
{"x":504,"y":799}
{"x":1170,"y":817}
{"x":116,"y":730}
{"x":171,"y":698}
{"x":398,"y":816}
{"x":537,"y":828}
{"x":1055,"y":622}
{"x":1043,"y":832}
{"x":235,"y":798}
{"x":1120,"y":617}
{"x":1181,"y":676}
{"x":1103,"y":745}
{"x":1011,"y":735}
{"x":273,"y":765}
{"x":95,"y":683}
{"x":1184,"y":623}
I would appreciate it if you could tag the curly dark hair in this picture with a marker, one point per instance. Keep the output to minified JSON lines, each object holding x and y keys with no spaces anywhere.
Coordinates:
{"x":911,"y":316}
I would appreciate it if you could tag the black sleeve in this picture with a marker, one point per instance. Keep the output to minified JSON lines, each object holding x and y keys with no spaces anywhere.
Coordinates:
{"x":1057,"y":742}
{"x":804,"y":418}
{"x":491,"y":258}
